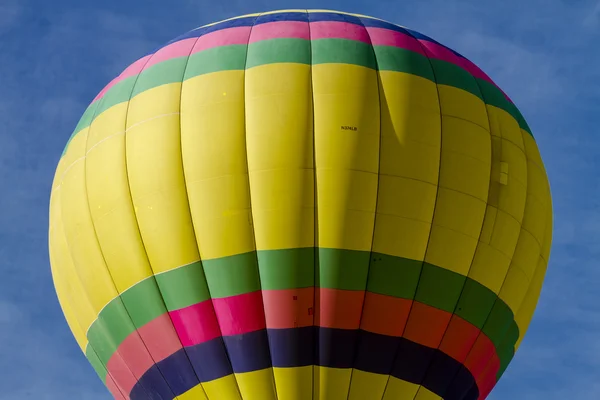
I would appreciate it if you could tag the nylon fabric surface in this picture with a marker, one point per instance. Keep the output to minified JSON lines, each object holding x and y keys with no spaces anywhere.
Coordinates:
{"x":300,"y":204}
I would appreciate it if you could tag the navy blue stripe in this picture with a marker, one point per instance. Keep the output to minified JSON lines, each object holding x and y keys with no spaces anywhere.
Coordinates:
{"x":248,"y":352}
{"x":324,"y":16}
{"x":285,"y":16}
{"x":210,"y":360}
{"x":377,"y":23}
{"x":297,"y":347}
{"x":168,"y":378}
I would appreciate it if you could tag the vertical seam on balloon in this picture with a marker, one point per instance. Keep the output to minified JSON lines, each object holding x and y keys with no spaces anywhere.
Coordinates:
{"x":250,"y":201}
{"x":516,"y":312}
{"x":432,"y":215}
{"x":187,"y":62}
{"x":478,"y":240}
{"x":196,"y":237}
{"x":379,"y":94}
{"x":88,"y":345}
{"x":316,"y":211}
{"x":497,"y":299}
{"x":136,"y":332}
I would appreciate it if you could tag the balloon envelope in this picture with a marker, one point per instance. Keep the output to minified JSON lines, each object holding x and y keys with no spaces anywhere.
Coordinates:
{"x":297,"y":205}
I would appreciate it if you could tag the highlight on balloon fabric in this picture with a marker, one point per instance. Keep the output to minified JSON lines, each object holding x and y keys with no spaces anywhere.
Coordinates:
{"x":296,"y":205}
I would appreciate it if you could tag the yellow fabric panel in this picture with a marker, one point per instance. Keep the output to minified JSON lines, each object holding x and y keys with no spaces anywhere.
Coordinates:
{"x":156,"y":178}
{"x":464,"y":181}
{"x":214,"y":160}
{"x":455,"y":102}
{"x":466,"y":157}
{"x":512,"y":197}
{"x":224,"y":388}
{"x":195,"y":393}
{"x":398,"y":389}
{"x":280,"y":155}
{"x":257,"y":385}
{"x":515,"y":287}
{"x":63,"y":292}
{"x":504,"y":125}
{"x":331,"y":383}
{"x":347,"y":160}
{"x":547,"y":243}
{"x":71,"y":293}
{"x":426,"y":394}
{"x":524,"y":316}
{"x":531,"y":150}
{"x":110,"y":201}
{"x":506,"y":204}
{"x":367,"y":385}
{"x":79,"y":231}
{"x":294,"y":383}
{"x":462,"y":194}
{"x":409,"y":164}
{"x":489,"y":267}
{"x":505,"y":234}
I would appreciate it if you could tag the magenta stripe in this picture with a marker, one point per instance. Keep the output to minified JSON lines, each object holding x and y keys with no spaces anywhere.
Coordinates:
{"x":223,"y":37}
{"x":280,"y":29}
{"x":434,"y":50}
{"x":196,"y":323}
{"x":181,"y":48}
{"x":240,"y":314}
{"x":338,"y":30}
{"x":131,"y":70}
{"x":388,"y":37}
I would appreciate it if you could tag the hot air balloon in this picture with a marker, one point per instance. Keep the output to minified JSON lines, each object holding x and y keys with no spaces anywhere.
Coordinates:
{"x":300,"y":204}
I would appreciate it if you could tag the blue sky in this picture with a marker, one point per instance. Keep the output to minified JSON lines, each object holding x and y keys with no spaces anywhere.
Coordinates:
{"x":56,"y":55}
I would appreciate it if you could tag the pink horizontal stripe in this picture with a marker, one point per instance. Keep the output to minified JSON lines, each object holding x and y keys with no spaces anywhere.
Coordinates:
{"x":338,"y":30}
{"x":160,"y":337}
{"x":487,"y":380}
{"x":338,"y":308}
{"x":280,"y":29}
{"x":480,"y":354}
{"x":114,"y":389}
{"x":223,"y":37}
{"x":181,"y":48}
{"x":150,"y":344}
{"x":388,"y":37}
{"x":122,"y":375}
{"x":196,"y":324}
{"x":240,"y":314}
{"x":291,"y":308}
{"x":132,"y":70}
{"x":133,"y":352}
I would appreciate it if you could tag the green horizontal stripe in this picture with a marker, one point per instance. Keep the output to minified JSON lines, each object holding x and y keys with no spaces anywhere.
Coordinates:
{"x":278,"y":51}
{"x":287,"y":269}
{"x":183,"y":286}
{"x":224,"y":58}
{"x":343,"y":51}
{"x":231,"y":276}
{"x":233,"y":57}
{"x":396,"y":59}
{"x":98,"y":366}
